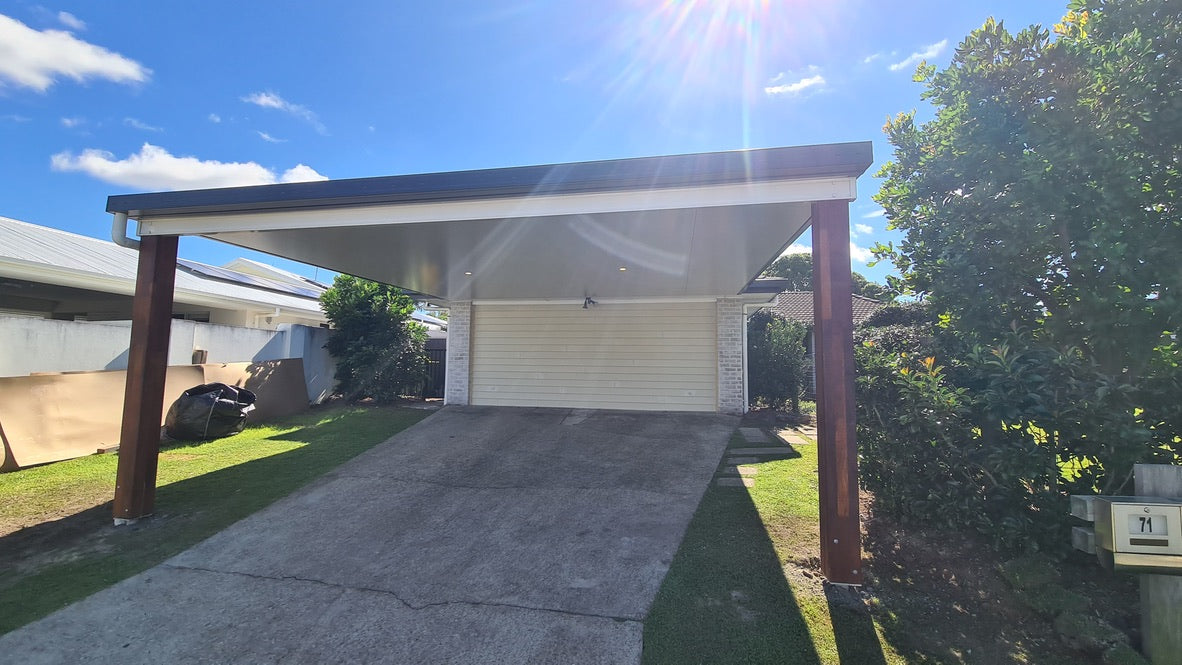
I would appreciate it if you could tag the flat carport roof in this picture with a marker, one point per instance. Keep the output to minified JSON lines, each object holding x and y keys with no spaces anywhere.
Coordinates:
{"x":682,"y":226}
{"x":696,"y":226}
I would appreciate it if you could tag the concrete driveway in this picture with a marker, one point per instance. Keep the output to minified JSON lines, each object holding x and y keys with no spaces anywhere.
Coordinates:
{"x":480,"y":535}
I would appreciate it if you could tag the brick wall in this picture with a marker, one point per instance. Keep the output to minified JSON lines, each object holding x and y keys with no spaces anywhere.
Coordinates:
{"x":730,"y":355}
{"x":459,"y":328}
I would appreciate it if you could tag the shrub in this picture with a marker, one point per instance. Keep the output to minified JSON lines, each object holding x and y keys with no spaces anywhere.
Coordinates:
{"x":379,"y":351}
{"x":777,"y":361}
{"x":994,"y":438}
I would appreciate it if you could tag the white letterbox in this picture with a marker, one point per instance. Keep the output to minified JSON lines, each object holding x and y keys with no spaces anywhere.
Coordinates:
{"x":1139,"y":533}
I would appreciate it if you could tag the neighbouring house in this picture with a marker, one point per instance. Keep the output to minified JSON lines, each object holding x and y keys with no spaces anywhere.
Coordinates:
{"x":65,"y":334}
{"x":798,"y":306}
{"x":53,"y":274}
{"x":66,"y":305}
{"x":618,"y":284}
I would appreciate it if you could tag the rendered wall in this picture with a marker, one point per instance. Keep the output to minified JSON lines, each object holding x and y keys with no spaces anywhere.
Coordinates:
{"x":29,"y":346}
{"x":52,"y":417}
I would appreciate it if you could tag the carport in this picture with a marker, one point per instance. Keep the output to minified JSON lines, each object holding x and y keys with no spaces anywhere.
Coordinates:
{"x":612,"y":284}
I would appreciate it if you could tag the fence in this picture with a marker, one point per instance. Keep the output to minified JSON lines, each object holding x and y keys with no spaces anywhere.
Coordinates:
{"x":436,"y":369}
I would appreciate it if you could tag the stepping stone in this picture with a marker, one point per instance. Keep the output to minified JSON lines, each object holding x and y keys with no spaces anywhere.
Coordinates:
{"x":754,"y":435}
{"x":778,"y":451}
{"x":739,"y":461}
{"x":735,"y":482}
{"x":739,"y":470}
{"x":792,"y":437}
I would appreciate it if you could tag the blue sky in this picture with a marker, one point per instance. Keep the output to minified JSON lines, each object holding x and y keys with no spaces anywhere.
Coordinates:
{"x":107,"y":98}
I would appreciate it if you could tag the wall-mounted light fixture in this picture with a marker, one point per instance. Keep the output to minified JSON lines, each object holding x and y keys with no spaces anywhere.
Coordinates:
{"x":587,"y":302}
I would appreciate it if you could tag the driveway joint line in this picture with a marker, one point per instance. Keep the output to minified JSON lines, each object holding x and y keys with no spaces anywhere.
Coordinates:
{"x":400,"y":599}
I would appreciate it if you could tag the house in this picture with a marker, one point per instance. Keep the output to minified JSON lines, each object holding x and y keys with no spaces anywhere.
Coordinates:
{"x":798,"y":306}
{"x":54,"y":274}
{"x":613,"y":284}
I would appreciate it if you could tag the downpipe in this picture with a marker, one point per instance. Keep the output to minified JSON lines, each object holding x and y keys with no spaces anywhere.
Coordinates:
{"x":119,"y":232}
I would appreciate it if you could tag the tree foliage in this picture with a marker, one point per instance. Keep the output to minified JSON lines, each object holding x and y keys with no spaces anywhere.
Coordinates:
{"x":797,"y":269}
{"x":1045,"y":193}
{"x":379,"y":351}
{"x":778,"y":362}
{"x":1041,"y":218}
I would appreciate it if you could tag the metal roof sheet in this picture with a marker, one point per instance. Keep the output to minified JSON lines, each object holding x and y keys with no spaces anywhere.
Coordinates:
{"x":25,"y":247}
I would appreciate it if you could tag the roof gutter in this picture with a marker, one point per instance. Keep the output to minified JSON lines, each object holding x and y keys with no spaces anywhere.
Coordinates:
{"x":119,"y":232}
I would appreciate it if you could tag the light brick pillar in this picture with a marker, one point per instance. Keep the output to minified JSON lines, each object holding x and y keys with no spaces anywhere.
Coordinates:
{"x":730,"y":356}
{"x":459,"y":327}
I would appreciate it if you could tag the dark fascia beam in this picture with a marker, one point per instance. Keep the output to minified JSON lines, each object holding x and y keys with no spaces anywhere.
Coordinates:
{"x":701,"y":169}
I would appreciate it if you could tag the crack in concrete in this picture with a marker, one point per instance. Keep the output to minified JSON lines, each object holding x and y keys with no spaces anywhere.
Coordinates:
{"x":400,"y":599}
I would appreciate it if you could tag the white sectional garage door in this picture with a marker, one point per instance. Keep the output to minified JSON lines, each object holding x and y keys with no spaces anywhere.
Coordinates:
{"x":609,"y":356}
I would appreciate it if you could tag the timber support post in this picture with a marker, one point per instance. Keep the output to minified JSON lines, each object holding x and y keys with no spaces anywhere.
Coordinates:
{"x":147,"y":364}
{"x":837,"y":450}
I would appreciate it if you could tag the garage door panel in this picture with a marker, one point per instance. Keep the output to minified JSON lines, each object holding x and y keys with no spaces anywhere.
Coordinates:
{"x":622,"y":330}
{"x":604,"y":356}
{"x":622,"y":356}
{"x":572,"y":385}
{"x":572,"y":371}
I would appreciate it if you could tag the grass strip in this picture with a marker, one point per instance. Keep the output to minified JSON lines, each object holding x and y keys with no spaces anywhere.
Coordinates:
{"x":743,"y":587}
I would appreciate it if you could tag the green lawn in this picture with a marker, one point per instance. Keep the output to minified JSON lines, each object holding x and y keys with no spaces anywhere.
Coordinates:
{"x":743,"y":586}
{"x":202,"y":489}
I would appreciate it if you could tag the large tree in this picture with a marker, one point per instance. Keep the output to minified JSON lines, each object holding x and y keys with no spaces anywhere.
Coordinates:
{"x":1044,"y":193}
{"x":1042,"y":223}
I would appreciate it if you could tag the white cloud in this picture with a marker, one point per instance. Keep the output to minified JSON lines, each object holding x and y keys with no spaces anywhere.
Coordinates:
{"x":35,"y":59}
{"x":877,"y":213}
{"x":301,"y":173}
{"x":871,"y":58}
{"x":268,"y":138}
{"x":930,"y":51}
{"x":795,"y":248}
{"x":860,"y":254}
{"x":215,"y":118}
{"x":864,"y":229}
{"x":795,"y":87}
{"x":70,"y":123}
{"x":71,"y":21}
{"x":154,"y":168}
{"x":13,"y":117}
{"x":139,"y":124}
{"x":270,"y":100}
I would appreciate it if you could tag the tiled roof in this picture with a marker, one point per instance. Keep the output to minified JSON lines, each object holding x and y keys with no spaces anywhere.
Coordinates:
{"x":798,"y":306}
